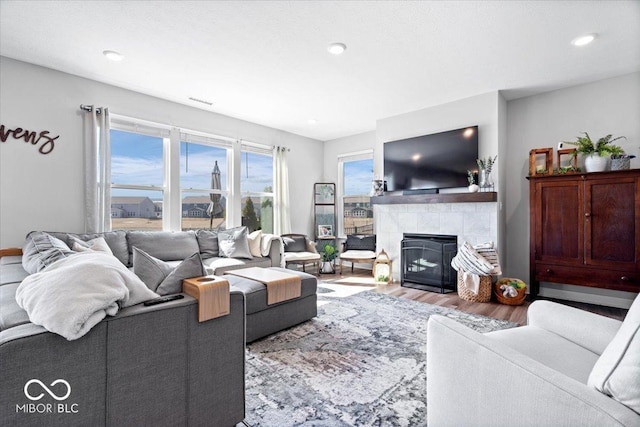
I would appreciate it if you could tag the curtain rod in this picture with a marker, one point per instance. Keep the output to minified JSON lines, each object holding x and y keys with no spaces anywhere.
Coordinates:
{"x":89,"y":108}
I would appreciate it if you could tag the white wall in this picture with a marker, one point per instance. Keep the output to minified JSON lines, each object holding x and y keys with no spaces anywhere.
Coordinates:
{"x":45,"y":192}
{"x":610,"y":106}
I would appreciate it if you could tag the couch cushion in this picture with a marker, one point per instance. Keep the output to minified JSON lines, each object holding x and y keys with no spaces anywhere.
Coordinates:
{"x":11,"y":314}
{"x":295,"y":243}
{"x":117,"y":241}
{"x":41,"y":250}
{"x":617,"y":371}
{"x":164,"y":245}
{"x":234,"y":243}
{"x":361,"y":242}
{"x":161,"y":277}
{"x":12,"y":273}
{"x":208,"y":243}
{"x":301,"y":256}
{"x":256,"y":293}
{"x":219,"y":265}
{"x":549,"y":349}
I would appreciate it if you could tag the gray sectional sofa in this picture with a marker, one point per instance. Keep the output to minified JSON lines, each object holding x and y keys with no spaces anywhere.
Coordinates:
{"x":146,"y":365}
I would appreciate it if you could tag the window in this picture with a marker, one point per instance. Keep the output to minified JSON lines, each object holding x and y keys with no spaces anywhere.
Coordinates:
{"x":137,"y":181}
{"x":203,"y":181}
{"x":256,"y":186}
{"x":165,"y":178}
{"x":355,"y":184}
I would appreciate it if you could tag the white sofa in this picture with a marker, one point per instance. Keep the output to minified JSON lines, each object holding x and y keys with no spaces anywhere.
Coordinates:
{"x":542,"y":374}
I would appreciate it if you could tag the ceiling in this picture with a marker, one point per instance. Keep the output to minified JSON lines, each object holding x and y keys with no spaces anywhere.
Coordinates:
{"x":267,"y":62}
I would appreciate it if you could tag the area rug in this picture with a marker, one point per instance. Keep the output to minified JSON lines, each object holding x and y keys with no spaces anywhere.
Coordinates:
{"x":361,"y":362}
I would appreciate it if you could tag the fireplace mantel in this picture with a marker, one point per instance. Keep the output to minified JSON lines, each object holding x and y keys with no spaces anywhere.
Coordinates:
{"x":434,"y":198}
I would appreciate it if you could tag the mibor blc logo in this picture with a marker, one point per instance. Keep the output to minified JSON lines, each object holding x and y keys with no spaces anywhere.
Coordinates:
{"x":35,"y":390}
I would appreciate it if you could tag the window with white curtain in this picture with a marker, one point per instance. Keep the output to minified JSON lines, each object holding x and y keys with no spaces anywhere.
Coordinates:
{"x":354,"y":186}
{"x":164,"y":178}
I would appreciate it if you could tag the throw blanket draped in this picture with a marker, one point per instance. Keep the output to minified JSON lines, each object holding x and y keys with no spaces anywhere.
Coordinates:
{"x":73,"y":294}
{"x":266,"y":246}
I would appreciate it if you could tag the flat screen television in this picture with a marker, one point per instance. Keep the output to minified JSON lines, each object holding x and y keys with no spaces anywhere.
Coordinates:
{"x":431,"y":162}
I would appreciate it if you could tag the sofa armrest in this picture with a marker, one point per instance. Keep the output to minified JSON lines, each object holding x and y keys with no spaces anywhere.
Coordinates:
{"x":591,"y":331}
{"x":474,"y":380}
{"x":275,"y":252}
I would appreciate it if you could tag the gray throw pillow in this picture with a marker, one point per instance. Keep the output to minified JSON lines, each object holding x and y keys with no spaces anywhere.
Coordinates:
{"x":234,"y":243}
{"x":295,"y":244}
{"x":41,"y":250}
{"x":208,"y":243}
{"x":117,"y":241}
{"x":160,"y":276}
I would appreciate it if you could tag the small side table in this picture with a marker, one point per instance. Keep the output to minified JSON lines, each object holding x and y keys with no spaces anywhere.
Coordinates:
{"x":212,"y":293}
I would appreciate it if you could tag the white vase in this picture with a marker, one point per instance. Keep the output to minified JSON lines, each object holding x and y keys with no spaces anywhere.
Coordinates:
{"x":473,"y":188}
{"x":595,"y":163}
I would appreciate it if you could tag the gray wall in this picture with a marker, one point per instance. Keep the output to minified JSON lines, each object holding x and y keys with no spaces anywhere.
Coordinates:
{"x":610,"y":106}
{"x":45,"y":192}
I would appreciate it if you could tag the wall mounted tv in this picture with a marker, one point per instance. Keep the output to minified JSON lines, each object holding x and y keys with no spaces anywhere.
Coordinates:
{"x":431,"y":162}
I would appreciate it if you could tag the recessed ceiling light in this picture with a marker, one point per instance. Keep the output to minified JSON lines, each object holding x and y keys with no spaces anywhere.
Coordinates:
{"x":583,"y":40}
{"x":113,"y":55}
{"x":416,"y":157}
{"x":312,"y":121}
{"x":337,"y":48}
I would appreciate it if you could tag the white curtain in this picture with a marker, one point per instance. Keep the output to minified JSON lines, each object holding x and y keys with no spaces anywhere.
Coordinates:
{"x":282,"y":217}
{"x":97,"y":168}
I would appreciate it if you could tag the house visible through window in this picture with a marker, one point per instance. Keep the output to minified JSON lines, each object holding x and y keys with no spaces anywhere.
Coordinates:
{"x":357,"y":174}
{"x":154,"y":165}
{"x":137,"y":180}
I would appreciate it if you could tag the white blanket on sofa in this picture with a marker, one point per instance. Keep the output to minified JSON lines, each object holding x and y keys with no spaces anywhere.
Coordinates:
{"x":73,"y":294}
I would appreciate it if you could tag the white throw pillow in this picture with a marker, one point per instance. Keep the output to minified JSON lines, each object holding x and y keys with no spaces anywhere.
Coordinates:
{"x":617,"y":371}
{"x":255,"y":239}
{"x":98,"y":244}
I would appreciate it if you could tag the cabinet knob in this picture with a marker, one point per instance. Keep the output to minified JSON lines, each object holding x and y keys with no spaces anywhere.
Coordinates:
{"x":625,"y":279}
{"x":587,"y":215}
{"x":549,"y":271}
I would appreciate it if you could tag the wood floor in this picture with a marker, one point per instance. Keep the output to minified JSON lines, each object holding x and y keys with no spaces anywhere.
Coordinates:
{"x":517,"y":314}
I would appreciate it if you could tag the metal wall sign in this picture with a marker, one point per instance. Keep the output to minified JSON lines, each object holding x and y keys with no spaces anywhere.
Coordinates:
{"x":43,"y":139}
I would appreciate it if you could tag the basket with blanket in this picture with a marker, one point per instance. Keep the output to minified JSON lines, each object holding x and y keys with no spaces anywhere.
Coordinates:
{"x":475,"y":266}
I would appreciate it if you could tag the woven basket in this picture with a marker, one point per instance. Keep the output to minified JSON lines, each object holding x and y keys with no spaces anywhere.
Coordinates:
{"x":517,"y":300}
{"x":620,"y":164}
{"x":484,"y":289}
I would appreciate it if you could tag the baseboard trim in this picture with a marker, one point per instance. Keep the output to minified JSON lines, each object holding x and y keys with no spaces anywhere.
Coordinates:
{"x":588,"y":298}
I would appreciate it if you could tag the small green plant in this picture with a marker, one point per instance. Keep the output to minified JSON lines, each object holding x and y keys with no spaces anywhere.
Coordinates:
{"x":382,"y":278}
{"x":603,"y":147}
{"x":486,"y":163}
{"x":328,"y":253}
{"x":470,"y":178}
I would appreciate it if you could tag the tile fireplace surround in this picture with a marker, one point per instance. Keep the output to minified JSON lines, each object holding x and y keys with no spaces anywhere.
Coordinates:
{"x":473,"y":221}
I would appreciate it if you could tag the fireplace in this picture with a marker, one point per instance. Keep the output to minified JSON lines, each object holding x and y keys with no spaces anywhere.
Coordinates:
{"x":426,"y":262}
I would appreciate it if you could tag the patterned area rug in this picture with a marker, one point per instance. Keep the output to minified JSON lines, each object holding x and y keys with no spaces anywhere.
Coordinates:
{"x":361,"y":362}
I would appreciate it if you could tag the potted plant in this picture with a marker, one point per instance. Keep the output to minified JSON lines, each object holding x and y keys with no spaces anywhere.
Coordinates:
{"x":328,"y":254}
{"x":473,"y":187}
{"x":486,"y":165}
{"x":596,"y":154}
